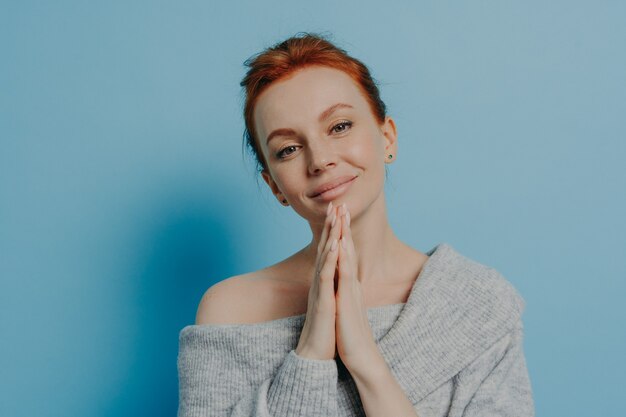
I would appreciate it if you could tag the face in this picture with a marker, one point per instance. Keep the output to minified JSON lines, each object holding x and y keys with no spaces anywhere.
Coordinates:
{"x":321,"y":130}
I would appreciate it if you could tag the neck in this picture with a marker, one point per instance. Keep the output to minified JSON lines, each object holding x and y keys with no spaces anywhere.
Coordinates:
{"x":379,"y":253}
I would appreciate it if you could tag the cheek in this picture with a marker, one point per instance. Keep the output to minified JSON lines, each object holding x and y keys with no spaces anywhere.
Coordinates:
{"x":365,"y":151}
{"x":289,"y":183}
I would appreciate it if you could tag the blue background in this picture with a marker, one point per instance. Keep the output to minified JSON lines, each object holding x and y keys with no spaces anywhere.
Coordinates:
{"x":125,"y":193}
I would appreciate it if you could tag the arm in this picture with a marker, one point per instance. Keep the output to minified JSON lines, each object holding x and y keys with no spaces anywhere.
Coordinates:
{"x":506,"y":391}
{"x":302,"y":387}
{"x":237,"y":371}
{"x":380,"y":393}
{"x":212,"y":383}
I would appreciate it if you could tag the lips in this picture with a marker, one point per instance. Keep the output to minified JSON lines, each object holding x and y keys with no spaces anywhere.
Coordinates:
{"x":331,"y":184}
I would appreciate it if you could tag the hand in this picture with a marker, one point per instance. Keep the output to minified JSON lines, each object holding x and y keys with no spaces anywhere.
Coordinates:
{"x":317,"y":339}
{"x":355,"y":341}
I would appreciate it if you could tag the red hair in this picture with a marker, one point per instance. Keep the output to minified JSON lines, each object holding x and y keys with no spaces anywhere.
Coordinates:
{"x":283,"y":59}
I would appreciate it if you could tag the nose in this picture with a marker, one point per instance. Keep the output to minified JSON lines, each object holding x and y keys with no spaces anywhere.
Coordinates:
{"x":321,"y":157}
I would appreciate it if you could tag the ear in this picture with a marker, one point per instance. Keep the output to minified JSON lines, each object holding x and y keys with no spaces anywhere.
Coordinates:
{"x":390,"y":133}
{"x":267,"y":177}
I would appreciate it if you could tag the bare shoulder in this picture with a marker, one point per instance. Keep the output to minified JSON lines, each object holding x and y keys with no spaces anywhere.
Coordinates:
{"x":225,"y":302}
{"x":253,"y":297}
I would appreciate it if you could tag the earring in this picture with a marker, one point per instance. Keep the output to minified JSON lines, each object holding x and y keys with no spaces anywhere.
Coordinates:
{"x":390,"y":156}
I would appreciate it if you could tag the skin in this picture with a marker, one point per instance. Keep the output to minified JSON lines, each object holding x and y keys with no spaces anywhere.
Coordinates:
{"x":319,"y":155}
{"x":366,"y":251}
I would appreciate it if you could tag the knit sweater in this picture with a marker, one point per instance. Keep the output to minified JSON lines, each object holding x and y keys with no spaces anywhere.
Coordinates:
{"x":455,"y":348}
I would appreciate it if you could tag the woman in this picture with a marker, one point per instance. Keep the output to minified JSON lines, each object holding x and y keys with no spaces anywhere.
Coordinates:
{"x":357,"y":322}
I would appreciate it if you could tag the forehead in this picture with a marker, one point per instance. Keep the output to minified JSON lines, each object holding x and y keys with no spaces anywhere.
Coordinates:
{"x":301,"y":97}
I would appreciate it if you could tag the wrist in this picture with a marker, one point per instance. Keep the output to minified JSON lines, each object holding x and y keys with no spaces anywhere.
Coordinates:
{"x":300,"y":351}
{"x":305,"y":353}
{"x":370,"y":367}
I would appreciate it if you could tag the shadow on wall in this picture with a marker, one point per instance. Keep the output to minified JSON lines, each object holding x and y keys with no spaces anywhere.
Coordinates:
{"x":186,"y":253}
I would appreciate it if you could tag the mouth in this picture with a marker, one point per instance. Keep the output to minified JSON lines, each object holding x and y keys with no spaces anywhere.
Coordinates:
{"x":334,"y":192}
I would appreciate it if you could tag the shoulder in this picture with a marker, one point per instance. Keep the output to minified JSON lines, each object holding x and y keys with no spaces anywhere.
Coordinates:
{"x":480,"y":279}
{"x":225,"y":301}
{"x":491,"y":287}
{"x":471,"y":304}
{"x":478,"y":286}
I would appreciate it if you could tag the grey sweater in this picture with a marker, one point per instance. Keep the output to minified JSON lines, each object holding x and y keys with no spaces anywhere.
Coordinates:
{"x":455,"y":347}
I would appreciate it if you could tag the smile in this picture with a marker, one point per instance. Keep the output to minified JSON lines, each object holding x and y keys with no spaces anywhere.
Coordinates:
{"x":333,"y":193}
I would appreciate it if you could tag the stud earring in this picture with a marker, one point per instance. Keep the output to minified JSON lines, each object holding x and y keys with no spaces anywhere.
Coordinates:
{"x":390,"y":156}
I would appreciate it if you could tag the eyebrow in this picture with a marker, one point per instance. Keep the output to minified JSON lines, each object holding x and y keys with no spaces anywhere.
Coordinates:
{"x":324,"y":115}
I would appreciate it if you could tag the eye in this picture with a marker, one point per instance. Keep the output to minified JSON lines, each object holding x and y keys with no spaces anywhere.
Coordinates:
{"x":345,"y":124}
{"x":281,"y":153}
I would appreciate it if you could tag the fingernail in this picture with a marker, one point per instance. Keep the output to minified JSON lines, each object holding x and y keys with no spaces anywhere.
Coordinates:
{"x":343,"y":243}
{"x":333,"y":246}
{"x":334,"y":219}
{"x":330,"y":206}
{"x":344,"y":208}
{"x":348,"y":218}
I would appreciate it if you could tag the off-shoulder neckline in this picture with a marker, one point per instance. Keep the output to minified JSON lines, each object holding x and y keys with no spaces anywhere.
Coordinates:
{"x":292,"y":319}
{"x":295,"y":320}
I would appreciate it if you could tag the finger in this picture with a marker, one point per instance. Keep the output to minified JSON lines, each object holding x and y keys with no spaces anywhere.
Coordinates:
{"x":343,"y":262}
{"x":323,"y":281}
{"x":346,"y":232}
{"x":333,"y":235}
{"x":329,"y":263}
{"x":335,"y":231}
{"x":346,"y":267}
{"x":326,"y":228}
{"x":324,"y":238}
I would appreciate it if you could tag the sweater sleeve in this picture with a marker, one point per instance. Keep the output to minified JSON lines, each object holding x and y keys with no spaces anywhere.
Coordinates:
{"x":506,"y":389}
{"x":218,"y":380}
{"x":301,"y":387}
